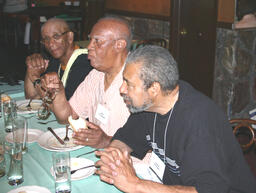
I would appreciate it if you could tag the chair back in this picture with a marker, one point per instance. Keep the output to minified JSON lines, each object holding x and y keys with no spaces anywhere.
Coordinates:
{"x":154,"y":41}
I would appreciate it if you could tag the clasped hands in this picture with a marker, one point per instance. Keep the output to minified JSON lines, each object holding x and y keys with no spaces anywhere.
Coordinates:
{"x":115,"y":167}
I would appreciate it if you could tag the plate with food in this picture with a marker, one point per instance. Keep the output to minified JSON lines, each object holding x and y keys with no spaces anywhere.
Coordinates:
{"x":49,"y":142}
{"x":22,"y":106}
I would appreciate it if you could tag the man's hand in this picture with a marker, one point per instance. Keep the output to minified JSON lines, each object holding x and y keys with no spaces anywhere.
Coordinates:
{"x":51,"y":81}
{"x":115,"y":167}
{"x":94,"y":136}
{"x":36,"y":65}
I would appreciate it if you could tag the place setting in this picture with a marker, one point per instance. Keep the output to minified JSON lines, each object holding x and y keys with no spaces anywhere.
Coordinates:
{"x":28,"y":106}
{"x":59,"y":139}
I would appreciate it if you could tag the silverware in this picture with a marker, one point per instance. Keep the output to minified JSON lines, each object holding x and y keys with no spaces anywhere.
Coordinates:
{"x":87,"y":153}
{"x":73,"y":171}
{"x":40,"y":122}
{"x":29,"y":105}
{"x":66,"y":137}
{"x":55,"y":135}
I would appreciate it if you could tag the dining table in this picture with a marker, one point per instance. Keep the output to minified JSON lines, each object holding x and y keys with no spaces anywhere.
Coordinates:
{"x":37,"y":161}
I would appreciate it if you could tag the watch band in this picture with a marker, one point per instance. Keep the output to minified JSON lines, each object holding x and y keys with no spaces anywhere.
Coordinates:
{"x":37,"y":81}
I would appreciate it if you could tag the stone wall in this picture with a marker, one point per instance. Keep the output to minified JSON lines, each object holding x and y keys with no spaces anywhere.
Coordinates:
{"x":235,"y":72}
{"x":144,"y":28}
{"x":235,"y":64}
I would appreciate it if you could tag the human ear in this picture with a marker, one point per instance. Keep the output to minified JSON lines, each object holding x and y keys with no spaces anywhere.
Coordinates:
{"x":154,"y":89}
{"x":70,"y":37}
{"x":120,"y":44}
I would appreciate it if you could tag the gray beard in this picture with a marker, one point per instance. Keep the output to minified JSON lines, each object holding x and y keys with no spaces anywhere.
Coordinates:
{"x":134,"y":109}
{"x":144,"y":107}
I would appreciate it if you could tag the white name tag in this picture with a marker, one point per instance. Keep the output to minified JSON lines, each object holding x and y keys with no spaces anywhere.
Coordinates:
{"x":102,"y":114}
{"x":157,"y":166}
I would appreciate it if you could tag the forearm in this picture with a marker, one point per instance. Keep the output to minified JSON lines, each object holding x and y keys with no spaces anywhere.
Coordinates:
{"x":120,"y":145}
{"x":29,"y":89}
{"x":145,"y":186}
{"x":61,"y":108}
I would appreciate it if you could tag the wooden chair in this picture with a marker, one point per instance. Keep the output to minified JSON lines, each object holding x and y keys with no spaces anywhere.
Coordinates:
{"x":154,"y":41}
{"x":244,"y":126}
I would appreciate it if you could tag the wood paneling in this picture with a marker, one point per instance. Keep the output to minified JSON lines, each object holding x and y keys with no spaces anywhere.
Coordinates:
{"x":51,"y":2}
{"x":152,"y":7}
{"x":226,"y":11}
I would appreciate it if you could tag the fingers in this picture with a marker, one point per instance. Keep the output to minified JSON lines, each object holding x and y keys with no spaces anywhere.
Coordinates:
{"x":92,"y":125}
{"x":36,"y":61}
{"x":88,"y":137}
{"x":51,"y":80}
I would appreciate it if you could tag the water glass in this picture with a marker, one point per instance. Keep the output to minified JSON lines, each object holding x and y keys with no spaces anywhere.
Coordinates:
{"x":9,"y":111}
{"x":2,"y":160}
{"x":14,"y":150}
{"x":61,"y":168}
{"x":20,"y":129}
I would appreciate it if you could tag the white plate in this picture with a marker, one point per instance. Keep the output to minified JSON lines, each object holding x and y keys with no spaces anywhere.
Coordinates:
{"x":49,"y":142}
{"x":22,"y":109}
{"x":33,"y":135}
{"x":30,"y":189}
{"x":79,"y":163}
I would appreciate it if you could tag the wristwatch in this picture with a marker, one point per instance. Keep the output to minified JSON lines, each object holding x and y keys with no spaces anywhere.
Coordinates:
{"x":37,"y":81}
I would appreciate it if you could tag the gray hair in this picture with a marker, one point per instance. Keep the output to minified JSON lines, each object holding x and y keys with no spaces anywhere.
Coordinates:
{"x":158,"y":65}
{"x":126,"y":35}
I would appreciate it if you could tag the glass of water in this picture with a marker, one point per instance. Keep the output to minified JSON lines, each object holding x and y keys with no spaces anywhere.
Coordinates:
{"x":13,"y":148}
{"x":9,"y":111}
{"x":61,"y":168}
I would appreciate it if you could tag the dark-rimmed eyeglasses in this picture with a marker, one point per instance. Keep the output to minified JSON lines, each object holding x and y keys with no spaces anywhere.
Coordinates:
{"x":55,"y":38}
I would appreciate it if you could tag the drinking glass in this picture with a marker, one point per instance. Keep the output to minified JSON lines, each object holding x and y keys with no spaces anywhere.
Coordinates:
{"x":9,"y":111}
{"x":20,"y":127}
{"x":61,"y":168}
{"x":14,"y":149}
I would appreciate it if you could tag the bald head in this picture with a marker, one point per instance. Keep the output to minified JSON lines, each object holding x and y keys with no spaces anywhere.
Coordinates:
{"x":119,"y":27}
{"x":58,"y":23}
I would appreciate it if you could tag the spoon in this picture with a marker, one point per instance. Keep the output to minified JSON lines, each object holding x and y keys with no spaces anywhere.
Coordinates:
{"x":66,"y":137}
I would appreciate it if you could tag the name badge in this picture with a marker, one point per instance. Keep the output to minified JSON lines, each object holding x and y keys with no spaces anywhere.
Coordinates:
{"x":102,"y":114}
{"x":157,"y":166}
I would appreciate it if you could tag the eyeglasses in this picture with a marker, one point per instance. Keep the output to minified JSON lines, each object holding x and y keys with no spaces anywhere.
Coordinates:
{"x":55,"y":38}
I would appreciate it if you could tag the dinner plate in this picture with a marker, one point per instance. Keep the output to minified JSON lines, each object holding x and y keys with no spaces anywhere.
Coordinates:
{"x":22,"y":109}
{"x":33,"y":135}
{"x":79,"y":163}
{"x":30,"y":189}
{"x":49,"y":142}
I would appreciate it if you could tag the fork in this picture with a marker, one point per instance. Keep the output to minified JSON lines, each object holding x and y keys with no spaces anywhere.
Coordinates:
{"x":66,"y":137}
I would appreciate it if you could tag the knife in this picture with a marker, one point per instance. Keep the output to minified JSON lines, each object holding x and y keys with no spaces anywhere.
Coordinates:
{"x":55,"y":135}
{"x":73,"y":171}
